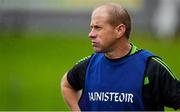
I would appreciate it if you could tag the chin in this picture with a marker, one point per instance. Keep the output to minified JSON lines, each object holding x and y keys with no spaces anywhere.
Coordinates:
{"x":98,"y":51}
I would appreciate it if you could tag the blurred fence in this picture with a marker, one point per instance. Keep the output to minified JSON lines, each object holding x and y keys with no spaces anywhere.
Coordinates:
{"x":57,"y":15}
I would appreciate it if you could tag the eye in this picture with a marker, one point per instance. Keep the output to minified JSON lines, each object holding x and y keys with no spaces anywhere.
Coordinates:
{"x":97,"y":27}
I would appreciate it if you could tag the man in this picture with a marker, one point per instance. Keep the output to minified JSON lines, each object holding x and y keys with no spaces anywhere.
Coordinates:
{"x":119,"y":76}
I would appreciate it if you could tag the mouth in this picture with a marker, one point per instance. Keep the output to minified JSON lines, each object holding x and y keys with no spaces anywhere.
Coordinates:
{"x":94,"y":44}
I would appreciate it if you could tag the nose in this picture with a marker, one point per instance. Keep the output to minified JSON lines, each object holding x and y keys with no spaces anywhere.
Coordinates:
{"x":92,"y":34}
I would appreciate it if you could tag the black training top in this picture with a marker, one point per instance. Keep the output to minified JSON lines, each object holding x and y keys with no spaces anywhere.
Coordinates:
{"x":161,"y":88}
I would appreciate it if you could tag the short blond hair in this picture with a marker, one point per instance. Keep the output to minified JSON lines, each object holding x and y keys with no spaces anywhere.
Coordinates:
{"x":118,"y":15}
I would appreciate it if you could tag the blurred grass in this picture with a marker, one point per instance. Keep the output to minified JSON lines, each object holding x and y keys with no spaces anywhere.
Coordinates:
{"x":32,"y":64}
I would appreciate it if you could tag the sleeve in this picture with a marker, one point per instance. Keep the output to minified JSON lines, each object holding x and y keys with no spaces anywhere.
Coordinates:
{"x":76,"y":75}
{"x":164,"y":87}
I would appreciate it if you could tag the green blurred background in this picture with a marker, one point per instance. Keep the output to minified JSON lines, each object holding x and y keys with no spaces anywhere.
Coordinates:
{"x":32,"y":66}
{"x":36,"y":49}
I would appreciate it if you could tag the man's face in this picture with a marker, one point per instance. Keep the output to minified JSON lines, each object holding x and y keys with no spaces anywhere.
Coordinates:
{"x":102,"y":34}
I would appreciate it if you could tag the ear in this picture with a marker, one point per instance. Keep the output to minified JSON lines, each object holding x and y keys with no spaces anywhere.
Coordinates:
{"x":120,"y":29}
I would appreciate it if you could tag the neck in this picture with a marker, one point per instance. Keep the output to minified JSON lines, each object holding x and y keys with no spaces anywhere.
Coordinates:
{"x":119,"y":52}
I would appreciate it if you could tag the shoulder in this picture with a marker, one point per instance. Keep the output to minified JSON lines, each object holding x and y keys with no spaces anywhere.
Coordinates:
{"x":80,"y":64}
{"x":160,"y":85}
{"x":83,"y":62}
{"x":156,"y":66}
{"x":76,"y":74}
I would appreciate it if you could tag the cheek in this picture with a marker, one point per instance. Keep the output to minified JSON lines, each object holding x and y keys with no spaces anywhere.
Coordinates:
{"x":108,"y":36}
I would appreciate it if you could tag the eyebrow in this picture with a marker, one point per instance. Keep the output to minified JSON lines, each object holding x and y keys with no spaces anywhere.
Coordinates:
{"x":96,"y":25}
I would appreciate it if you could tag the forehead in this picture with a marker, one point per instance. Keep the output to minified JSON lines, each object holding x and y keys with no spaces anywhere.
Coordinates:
{"x":99,"y":16}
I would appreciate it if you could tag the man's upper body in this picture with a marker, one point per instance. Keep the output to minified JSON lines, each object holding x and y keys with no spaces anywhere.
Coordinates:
{"x":160,"y":87}
{"x":100,"y":75}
